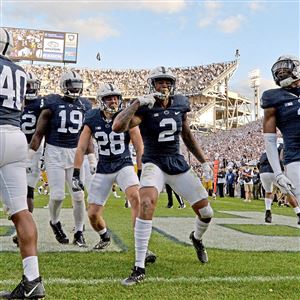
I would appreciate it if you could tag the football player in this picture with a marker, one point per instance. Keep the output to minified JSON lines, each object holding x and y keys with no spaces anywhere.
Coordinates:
{"x":115,"y":163}
{"x":60,"y":122}
{"x":162,"y":117}
{"x":13,"y":183}
{"x":29,"y":117}
{"x":281,"y":110}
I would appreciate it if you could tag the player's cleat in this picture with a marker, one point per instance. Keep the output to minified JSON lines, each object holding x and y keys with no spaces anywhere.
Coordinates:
{"x":182,"y":206}
{"x":200,"y":249}
{"x":59,"y":233}
{"x":26,"y":290}
{"x":15,"y":240}
{"x":268,"y":216}
{"x":150,"y":257}
{"x":79,"y":239}
{"x":298,"y":214}
{"x":103,"y":243}
{"x":169,"y":206}
{"x":137,"y":276}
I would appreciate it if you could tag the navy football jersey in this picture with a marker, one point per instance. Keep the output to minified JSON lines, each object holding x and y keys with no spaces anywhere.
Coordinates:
{"x":30,"y":116}
{"x":12,"y":92}
{"x":66,"y":119}
{"x":113,"y":148}
{"x":161,"y":129}
{"x":287,"y":107}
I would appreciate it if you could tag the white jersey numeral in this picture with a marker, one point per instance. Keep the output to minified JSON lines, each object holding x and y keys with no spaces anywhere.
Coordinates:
{"x":167,"y":135}
{"x":28,"y":127}
{"x":13,"y":92}
{"x":117,"y":145}
{"x":75,"y":118}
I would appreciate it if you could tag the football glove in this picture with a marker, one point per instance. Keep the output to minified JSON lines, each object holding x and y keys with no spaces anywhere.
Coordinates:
{"x":77,"y":184}
{"x":284,"y":184}
{"x":148,"y":100}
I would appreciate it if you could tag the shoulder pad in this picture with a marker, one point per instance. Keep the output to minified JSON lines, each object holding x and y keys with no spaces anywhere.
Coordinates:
{"x":49,"y":100}
{"x":276,"y":97}
{"x":89,"y":117}
{"x":92,"y":112}
{"x":182,"y":101}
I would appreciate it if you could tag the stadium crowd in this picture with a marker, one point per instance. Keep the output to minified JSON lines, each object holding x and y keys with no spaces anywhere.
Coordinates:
{"x":190,"y":80}
{"x":236,"y":146}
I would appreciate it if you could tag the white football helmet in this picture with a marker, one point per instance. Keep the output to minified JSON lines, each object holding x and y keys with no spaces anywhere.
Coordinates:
{"x":286,"y":70}
{"x":161,"y":73}
{"x":71,"y":84}
{"x":108,"y":89}
{"x":32,"y":87}
{"x":6,"y":42}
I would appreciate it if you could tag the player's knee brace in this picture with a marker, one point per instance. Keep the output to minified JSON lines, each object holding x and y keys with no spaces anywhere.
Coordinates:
{"x":30,"y":192}
{"x":78,"y":196}
{"x":206,"y":213}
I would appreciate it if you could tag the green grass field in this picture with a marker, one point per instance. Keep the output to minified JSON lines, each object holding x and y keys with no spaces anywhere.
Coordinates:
{"x":177,"y":274}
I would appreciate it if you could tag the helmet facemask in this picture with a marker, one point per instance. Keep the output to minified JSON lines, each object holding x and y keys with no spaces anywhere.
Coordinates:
{"x":109,"y":90}
{"x":71,"y":85}
{"x":32,"y":89}
{"x":166,"y":92}
{"x":110,"y":109}
{"x":32,"y":86}
{"x":286,"y":71}
{"x":73,"y":88}
{"x":161,"y":73}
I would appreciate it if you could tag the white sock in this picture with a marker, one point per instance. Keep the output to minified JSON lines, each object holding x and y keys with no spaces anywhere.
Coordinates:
{"x":31,"y":267}
{"x":142,"y":233}
{"x":54,"y":209}
{"x":102,"y":231}
{"x":296,"y":209}
{"x":268,"y":203}
{"x":78,"y":213}
{"x":200,"y":228}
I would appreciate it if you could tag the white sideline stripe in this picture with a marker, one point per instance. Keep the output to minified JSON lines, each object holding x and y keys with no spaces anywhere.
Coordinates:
{"x":64,"y":281}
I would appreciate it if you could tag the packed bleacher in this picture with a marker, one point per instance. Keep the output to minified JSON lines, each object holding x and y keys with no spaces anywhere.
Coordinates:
{"x":240,"y":146}
{"x":190,"y":80}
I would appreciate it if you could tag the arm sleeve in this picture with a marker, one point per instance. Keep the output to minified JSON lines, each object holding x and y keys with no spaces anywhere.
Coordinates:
{"x":272,"y":152}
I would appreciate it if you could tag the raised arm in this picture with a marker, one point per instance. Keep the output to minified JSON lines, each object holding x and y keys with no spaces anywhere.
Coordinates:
{"x":127,"y":119}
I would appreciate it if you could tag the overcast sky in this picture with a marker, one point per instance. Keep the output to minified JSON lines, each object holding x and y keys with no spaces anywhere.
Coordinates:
{"x":145,"y":34}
